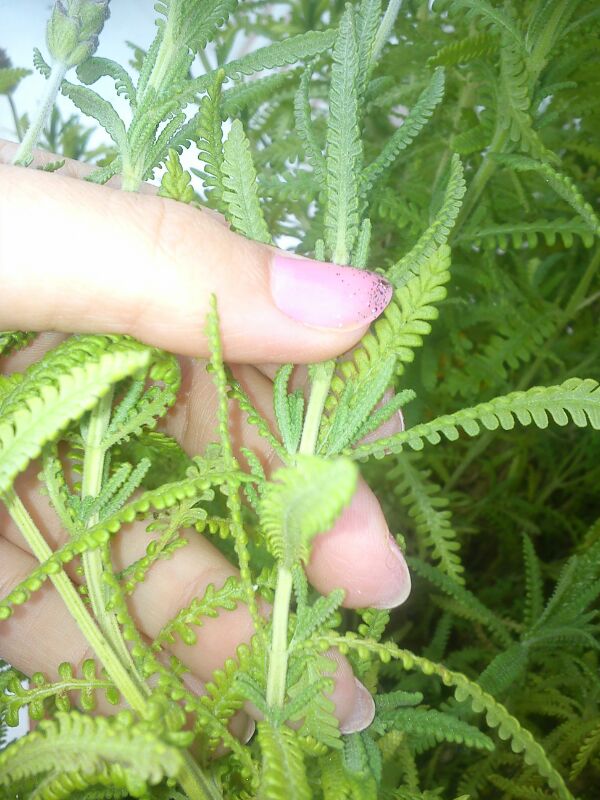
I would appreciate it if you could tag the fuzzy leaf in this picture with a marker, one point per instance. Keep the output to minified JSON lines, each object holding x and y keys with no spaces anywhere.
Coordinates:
{"x":416,"y":120}
{"x":344,"y":146}
{"x":240,"y":186}
{"x":289,"y":409}
{"x":303,"y":501}
{"x":91,"y":104}
{"x":283,"y":771}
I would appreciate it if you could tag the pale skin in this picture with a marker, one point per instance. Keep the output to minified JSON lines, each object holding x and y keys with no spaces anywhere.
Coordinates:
{"x":76,"y":257}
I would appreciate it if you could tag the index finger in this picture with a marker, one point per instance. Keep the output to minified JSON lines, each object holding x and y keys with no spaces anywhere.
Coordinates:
{"x":77,"y":257}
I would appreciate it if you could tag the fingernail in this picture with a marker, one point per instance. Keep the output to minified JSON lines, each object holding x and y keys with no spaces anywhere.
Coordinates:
{"x":249,"y":733}
{"x":400,"y":585}
{"x":363,"y":712}
{"x":327,"y":295}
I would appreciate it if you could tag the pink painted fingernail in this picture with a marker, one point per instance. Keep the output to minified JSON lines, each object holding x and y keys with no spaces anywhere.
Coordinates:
{"x":363,"y":712}
{"x":327,"y":295}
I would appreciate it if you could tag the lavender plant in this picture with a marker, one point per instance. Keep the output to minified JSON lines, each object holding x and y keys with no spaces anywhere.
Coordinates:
{"x":103,"y":396}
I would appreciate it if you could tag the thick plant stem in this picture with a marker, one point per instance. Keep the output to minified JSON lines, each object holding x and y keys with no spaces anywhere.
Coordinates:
{"x":278,"y":657}
{"x":278,"y":654}
{"x":74,"y":603}
{"x":191,"y":779}
{"x":24,"y":154}
{"x":91,"y":484}
{"x":318,"y":395}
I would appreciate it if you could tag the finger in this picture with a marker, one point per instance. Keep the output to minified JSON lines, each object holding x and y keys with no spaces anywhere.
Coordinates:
{"x":169,"y":586}
{"x":70,"y":169}
{"x":41,"y":634}
{"x":359,"y":554}
{"x":147,"y":266}
{"x":79,"y":170}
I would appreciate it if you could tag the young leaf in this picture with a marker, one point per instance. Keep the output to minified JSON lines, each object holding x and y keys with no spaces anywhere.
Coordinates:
{"x":303,"y":501}
{"x":283,"y":771}
{"x":239,"y":180}
{"x":344,"y":146}
{"x":176,"y":181}
{"x":91,"y":104}
{"x":305,"y":130}
{"x":368,"y":20}
{"x":416,"y":120}
{"x":289,"y":409}
{"x":209,"y":139}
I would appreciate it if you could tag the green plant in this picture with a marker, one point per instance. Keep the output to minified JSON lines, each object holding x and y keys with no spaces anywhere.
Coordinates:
{"x":514,"y":90}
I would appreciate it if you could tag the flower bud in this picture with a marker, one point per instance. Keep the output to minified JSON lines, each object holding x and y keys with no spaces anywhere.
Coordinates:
{"x":73,"y":29}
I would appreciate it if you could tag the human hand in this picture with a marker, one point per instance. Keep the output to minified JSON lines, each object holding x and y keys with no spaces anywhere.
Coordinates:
{"x":76,"y":257}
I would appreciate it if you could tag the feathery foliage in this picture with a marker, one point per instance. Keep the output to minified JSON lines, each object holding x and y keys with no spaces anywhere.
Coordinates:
{"x":392,"y":136}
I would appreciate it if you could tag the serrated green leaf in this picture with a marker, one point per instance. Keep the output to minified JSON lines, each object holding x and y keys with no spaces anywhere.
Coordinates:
{"x":303,"y":501}
{"x":240,"y":186}
{"x":344,"y":145}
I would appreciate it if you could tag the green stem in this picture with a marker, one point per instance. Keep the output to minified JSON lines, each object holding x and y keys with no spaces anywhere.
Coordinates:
{"x":486,"y":169}
{"x":194,"y":782}
{"x":24,"y":154}
{"x":191,"y":779}
{"x":323,"y":374}
{"x":278,"y":654}
{"x":93,"y":564}
{"x":278,"y":657}
{"x":74,"y":603}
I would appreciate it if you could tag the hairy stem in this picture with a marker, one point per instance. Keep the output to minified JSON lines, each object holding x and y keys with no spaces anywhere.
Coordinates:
{"x":91,"y":485}
{"x":194,"y":782}
{"x":278,"y":654}
{"x":278,"y":657}
{"x":74,"y":603}
{"x":323,"y":374}
{"x":24,"y":154}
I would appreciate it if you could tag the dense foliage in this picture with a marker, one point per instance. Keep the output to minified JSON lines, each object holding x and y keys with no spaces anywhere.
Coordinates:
{"x":454,"y":148}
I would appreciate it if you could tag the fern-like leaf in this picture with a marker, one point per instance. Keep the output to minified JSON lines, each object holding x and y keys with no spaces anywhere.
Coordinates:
{"x":437,"y":232}
{"x":575,"y":398}
{"x":72,"y":744}
{"x":562,"y":185}
{"x":431,"y":517}
{"x":303,"y":501}
{"x":344,"y":145}
{"x":240,"y":186}
{"x":58,"y":390}
{"x":415,"y":121}
{"x":283,"y":771}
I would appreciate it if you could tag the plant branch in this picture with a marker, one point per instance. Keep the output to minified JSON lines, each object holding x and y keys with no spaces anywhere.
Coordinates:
{"x":278,"y":655}
{"x":74,"y":603}
{"x":24,"y":154}
{"x":91,"y":485}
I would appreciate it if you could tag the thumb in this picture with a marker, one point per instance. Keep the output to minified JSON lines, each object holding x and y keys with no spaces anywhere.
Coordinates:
{"x":76,"y":257}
